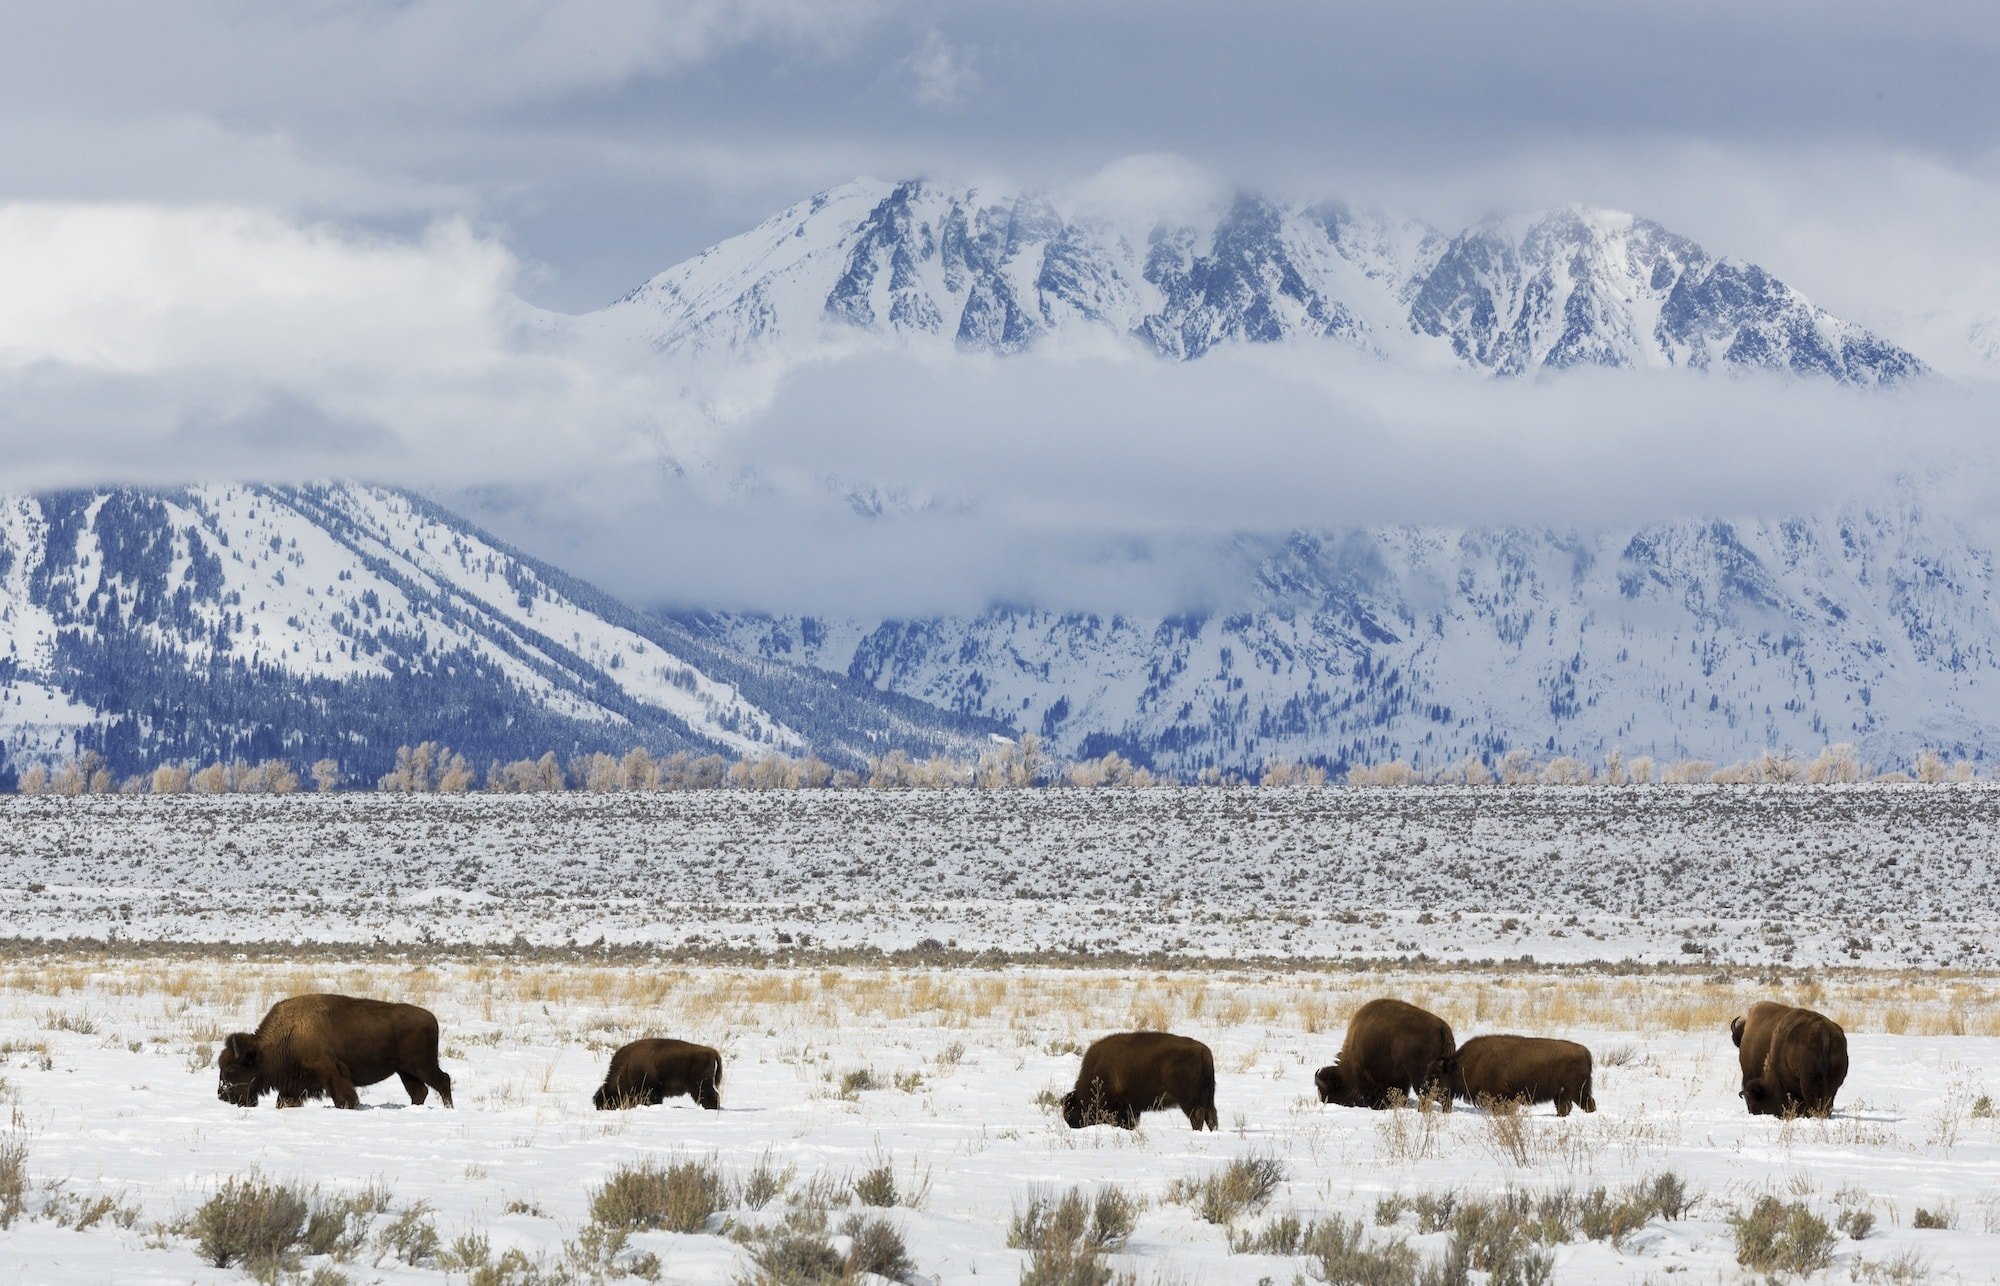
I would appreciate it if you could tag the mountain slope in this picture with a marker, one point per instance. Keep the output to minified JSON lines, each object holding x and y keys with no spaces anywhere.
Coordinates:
{"x":344,"y":620}
{"x":1873,"y":624}
{"x":1001,"y":271}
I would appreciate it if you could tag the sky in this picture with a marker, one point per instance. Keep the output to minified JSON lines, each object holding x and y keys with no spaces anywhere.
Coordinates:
{"x":252,"y":240}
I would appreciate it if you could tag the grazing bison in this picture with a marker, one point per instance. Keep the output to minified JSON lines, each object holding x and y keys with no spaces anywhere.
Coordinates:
{"x":1142,"y":1071}
{"x":309,"y":1046}
{"x":1794,"y":1060}
{"x":1391,"y":1048}
{"x":1533,"y":1068}
{"x":647,"y":1072}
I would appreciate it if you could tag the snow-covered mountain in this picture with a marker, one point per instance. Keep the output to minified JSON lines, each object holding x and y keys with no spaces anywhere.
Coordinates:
{"x":345,"y":620}
{"x":342,"y":620}
{"x":1709,"y":638}
{"x":1002,"y":271}
{"x":1877,"y":625}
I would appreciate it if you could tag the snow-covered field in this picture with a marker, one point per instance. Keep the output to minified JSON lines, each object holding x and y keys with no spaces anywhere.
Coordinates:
{"x":110,"y":1092}
{"x":1255,"y":921}
{"x":1897,"y":876}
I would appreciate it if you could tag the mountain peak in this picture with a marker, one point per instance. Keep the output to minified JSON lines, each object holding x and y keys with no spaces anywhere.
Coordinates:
{"x":1000,"y":270}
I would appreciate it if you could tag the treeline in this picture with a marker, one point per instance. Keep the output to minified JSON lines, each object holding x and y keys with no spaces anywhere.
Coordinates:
{"x":89,"y":774}
{"x":432,"y":768}
{"x":1836,"y":764}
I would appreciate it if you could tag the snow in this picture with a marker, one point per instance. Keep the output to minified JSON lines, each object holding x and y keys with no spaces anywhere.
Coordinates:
{"x":308,"y":571}
{"x":1255,"y":921}
{"x":109,"y":1089}
{"x":1868,"y":623}
{"x":1883,"y":876}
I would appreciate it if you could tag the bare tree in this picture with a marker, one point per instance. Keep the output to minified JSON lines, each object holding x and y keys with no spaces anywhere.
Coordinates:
{"x":456,"y":775}
{"x":1835,"y":764}
{"x":1565,"y":770}
{"x":278,"y":777}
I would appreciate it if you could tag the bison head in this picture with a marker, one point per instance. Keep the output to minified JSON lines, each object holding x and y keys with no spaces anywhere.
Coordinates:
{"x":239,"y":1066}
{"x":1337,"y":1085}
{"x":1761,"y":1099}
{"x":1072,"y":1110}
{"x":1736,"y":1031}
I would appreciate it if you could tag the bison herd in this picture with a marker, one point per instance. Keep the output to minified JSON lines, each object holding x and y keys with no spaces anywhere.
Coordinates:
{"x":1793,"y":1063}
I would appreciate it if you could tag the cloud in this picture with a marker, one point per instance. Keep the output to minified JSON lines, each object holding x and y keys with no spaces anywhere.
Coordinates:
{"x":165,"y":344}
{"x":939,"y":74}
{"x":1120,"y":481}
{"x":612,"y":139}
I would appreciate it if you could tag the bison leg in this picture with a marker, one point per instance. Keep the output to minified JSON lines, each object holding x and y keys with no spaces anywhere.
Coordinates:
{"x":339,"y":1087}
{"x":440,"y":1082}
{"x":708,"y":1096}
{"x":414,"y":1087}
{"x":1562,"y":1103}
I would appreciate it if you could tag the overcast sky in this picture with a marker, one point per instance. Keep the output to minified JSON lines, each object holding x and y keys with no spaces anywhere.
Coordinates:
{"x":602,"y":140}
{"x":244,"y":236}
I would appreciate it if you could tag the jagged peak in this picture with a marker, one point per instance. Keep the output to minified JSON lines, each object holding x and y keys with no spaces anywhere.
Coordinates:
{"x":998,"y":267}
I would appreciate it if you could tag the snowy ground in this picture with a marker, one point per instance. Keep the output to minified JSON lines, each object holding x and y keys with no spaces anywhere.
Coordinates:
{"x":1892,"y":876}
{"x":108,"y":1089}
{"x":1255,"y":921}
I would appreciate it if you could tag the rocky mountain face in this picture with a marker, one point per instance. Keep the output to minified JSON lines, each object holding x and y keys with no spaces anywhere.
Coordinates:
{"x":1875,"y":625}
{"x":342,"y":621}
{"x":1710,"y":638}
{"x":1003,"y":271}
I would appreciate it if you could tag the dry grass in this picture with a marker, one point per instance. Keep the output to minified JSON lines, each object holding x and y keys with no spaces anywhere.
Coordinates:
{"x":678,"y":1197}
{"x":1776,"y":1236}
{"x":1244,"y":1186}
{"x":614,"y":1004}
{"x":1068,"y":1236}
{"x":251,"y":1222}
{"x":13,"y":1180}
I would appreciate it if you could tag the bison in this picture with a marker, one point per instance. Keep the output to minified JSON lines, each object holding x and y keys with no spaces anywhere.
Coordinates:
{"x":1391,"y":1049}
{"x":1530,"y":1068}
{"x":650,"y":1071}
{"x":1794,"y":1060}
{"x":309,"y":1046}
{"x":1142,"y":1071}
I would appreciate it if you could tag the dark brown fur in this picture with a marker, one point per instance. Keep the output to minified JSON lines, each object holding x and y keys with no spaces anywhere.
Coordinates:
{"x":1794,"y":1061}
{"x":650,"y":1071}
{"x":1142,"y":1071}
{"x":1534,"y":1069}
{"x":1391,"y":1049}
{"x":309,"y":1046}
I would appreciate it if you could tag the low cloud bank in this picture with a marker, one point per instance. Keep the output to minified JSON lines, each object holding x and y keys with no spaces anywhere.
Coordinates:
{"x":160,"y":345}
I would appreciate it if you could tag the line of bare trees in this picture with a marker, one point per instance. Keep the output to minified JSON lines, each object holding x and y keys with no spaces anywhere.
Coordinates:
{"x":88,"y":774}
{"x":432,"y":768}
{"x":1835,"y":764}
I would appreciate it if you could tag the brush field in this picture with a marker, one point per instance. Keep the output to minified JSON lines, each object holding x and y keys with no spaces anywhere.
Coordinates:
{"x":891,"y":1068}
